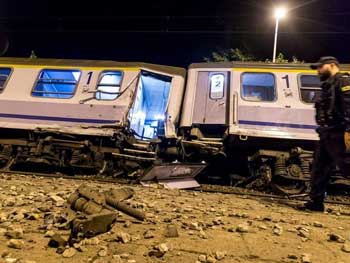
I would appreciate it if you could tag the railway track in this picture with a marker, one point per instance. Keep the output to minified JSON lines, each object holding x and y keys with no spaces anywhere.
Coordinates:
{"x":289,"y":200}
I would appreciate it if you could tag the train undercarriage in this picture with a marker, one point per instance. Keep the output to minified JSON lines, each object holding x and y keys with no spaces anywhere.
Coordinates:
{"x":175,"y":162}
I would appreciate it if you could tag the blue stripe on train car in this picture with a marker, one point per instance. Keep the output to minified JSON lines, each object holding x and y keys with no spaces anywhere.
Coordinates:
{"x":275,"y":124}
{"x":52,"y":118}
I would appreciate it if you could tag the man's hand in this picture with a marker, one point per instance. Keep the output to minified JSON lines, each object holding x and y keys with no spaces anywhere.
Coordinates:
{"x":347,"y":141}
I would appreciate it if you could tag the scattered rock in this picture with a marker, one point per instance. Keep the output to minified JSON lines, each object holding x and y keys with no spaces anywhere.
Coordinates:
{"x":127,"y":224}
{"x":69,"y":252}
{"x":44,"y":209}
{"x":116,"y":259}
{"x":79,"y":247}
{"x":194,"y":226}
{"x":33,"y":216}
{"x":292,"y":256}
{"x":123,"y":237}
{"x":262,"y":227}
{"x":218,"y":221}
{"x":11,"y":260}
{"x":148,"y":234}
{"x":303,"y":232}
{"x":55,"y":198}
{"x":15,"y":243}
{"x":57,"y":241}
{"x":231,"y":229}
{"x":203,"y":235}
{"x":336,"y":238}
{"x":210,"y":259}
{"x":124,"y":256}
{"x":306,"y":258}
{"x":156,"y":253}
{"x":219,"y":255}
{"x":317,"y":224}
{"x":91,"y":241}
{"x":3,"y":217}
{"x":103,"y":251}
{"x":346,"y":247}
{"x":15,"y":233}
{"x":159,"y":250}
{"x":171,"y":231}
{"x":5,"y":254}
{"x":242,"y":228}
{"x":202,"y":258}
{"x":9,"y":202}
{"x":277,"y":230}
{"x":163,"y":247}
{"x":49,"y":233}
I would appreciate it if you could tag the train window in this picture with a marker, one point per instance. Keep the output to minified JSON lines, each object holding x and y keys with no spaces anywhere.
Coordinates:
{"x":56,"y":83}
{"x":217,"y":82}
{"x":310,"y":88}
{"x":109,"y":85}
{"x":258,"y":87}
{"x":4,"y":75}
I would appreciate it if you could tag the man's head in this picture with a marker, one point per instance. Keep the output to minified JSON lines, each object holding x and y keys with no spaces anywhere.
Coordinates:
{"x":326,"y":67}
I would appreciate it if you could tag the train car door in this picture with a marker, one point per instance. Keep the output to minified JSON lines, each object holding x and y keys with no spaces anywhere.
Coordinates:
{"x":148,"y":112}
{"x":210,"y":105}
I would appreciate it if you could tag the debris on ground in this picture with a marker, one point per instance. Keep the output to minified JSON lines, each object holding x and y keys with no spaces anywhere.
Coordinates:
{"x":177,"y":226}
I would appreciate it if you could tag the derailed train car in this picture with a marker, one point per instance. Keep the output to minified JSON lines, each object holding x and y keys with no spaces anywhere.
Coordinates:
{"x":253,"y":123}
{"x":80,"y":116}
{"x":262,"y":115}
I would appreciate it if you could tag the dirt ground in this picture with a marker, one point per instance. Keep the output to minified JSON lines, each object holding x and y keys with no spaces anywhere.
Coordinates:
{"x":212,"y":227}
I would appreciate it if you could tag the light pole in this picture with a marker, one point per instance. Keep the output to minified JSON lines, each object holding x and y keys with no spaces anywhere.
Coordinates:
{"x":279,"y":14}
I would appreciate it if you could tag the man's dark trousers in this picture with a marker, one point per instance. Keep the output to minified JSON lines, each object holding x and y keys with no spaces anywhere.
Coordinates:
{"x":330,"y":151}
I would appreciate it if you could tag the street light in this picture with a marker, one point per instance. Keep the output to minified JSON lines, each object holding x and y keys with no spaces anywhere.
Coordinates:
{"x":280,"y":13}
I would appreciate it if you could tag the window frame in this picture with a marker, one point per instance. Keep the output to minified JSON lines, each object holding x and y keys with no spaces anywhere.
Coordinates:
{"x":8,"y":78}
{"x":57,"y":69}
{"x":100,"y":76}
{"x":224,"y":84}
{"x":274,"y":85}
{"x":300,"y":87}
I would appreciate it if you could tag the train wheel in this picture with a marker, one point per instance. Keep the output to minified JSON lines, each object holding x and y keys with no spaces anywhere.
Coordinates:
{"x":289,"y":187}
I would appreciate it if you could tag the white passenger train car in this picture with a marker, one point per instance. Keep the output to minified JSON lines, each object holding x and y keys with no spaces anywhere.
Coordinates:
{"x":71,"y":95}
{"x":252,"y":99}
{"x":259,"y":112}
{"x":65,"y":104}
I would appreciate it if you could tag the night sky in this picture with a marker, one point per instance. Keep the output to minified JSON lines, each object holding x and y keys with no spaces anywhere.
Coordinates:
{"x":173,"y":32}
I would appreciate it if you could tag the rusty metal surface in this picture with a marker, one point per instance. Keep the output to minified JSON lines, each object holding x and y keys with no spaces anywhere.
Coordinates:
{"x":92,"y":225}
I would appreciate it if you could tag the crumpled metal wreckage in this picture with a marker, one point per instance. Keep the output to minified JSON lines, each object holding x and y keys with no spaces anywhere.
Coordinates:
{"x":90,"y":212}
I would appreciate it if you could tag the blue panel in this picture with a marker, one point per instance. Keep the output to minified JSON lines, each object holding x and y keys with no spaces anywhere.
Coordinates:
{"x":56,"y":83}
{"x":4,"y":74}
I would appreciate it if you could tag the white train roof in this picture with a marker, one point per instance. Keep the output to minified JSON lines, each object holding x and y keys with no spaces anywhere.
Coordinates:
{"x":265,"y":65}
{"x":91,"y":63}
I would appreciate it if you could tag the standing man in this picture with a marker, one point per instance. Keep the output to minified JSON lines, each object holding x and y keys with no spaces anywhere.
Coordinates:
{"x":333,"y":118}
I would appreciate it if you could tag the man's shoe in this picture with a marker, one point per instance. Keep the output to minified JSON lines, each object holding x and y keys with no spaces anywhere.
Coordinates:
{"x":312,"y":205}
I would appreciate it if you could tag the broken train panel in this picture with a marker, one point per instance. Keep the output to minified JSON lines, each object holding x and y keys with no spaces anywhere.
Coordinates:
{"x":261,"y":114}
{"x":79,"y":115}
